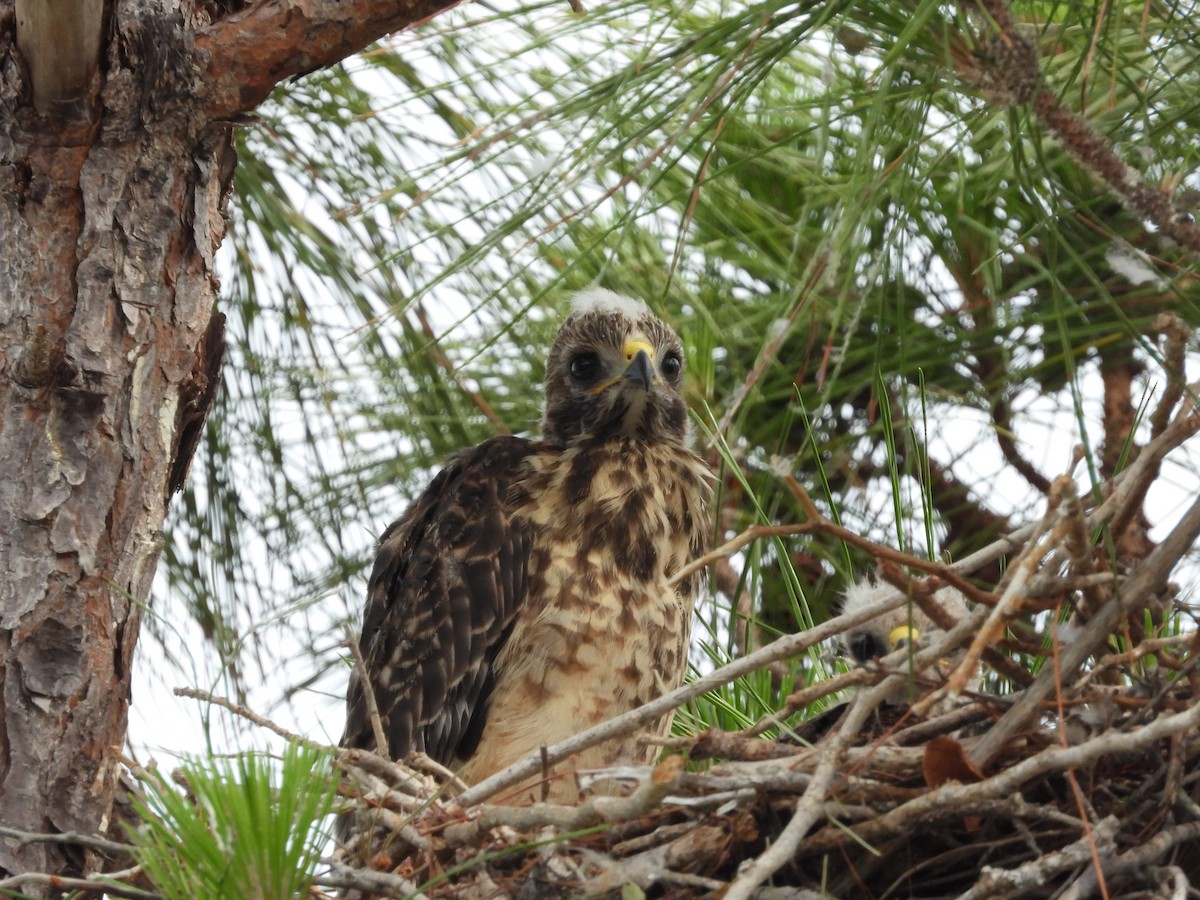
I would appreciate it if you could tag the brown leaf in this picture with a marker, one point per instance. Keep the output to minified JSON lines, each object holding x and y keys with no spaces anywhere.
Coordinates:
{"x":945,"y":760}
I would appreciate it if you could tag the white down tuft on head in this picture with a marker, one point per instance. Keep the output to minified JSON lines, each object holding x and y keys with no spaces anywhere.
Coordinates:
{"x":603,"y":300}
{"x":860,"y":594}
{"x":867,"y":592}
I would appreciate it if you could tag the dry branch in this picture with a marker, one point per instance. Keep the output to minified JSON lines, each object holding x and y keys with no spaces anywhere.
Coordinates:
{"x":783,"y":648}
{"x":109,"y":883}
{"x":1148,"y":579}
{"x":92,"y":841}
{"x":383,"y":884}
{"x":248,"y":53}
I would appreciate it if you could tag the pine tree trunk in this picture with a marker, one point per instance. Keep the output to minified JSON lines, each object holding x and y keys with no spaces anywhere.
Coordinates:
{"x":115,"y":163}
{"x":110,"y":212}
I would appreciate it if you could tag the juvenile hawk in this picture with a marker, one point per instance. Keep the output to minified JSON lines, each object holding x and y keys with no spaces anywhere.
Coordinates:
{"x":895,"y":629}
{"x":901,"y":627}
{"x":524,"y":596}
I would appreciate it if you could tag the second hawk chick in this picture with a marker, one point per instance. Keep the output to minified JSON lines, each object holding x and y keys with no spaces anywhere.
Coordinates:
{"x":890,"y":631}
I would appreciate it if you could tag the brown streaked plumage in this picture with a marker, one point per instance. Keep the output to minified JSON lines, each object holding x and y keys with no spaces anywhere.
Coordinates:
{"x":524,"y":597}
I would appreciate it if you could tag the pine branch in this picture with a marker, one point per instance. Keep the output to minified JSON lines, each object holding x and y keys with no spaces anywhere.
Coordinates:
{"x":1007,"y":68}
{"x":251,"y":51}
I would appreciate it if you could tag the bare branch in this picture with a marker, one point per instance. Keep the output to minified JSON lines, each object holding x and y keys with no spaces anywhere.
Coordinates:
{"x":109,"y":883}
{"x":1134,"y":859}
{"x":245,"y":55}
{"x":952,"y":797}
{"x":250,"y":716}
{"x":68,"y":837}
{"x":995,"y":882}
{"x":1175,"y":337}
{"x":784,"y":647}
{"x":368,"y":692}
{"x":385,"y":884}
{"x":811,"y":804}
{"x":593,"y":811}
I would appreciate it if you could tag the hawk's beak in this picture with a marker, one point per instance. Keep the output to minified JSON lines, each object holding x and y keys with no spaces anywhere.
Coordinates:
{"x":640,"y":358}
{"x":902,"y":636}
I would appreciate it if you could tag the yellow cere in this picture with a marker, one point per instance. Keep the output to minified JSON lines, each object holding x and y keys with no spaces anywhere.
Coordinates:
{"x":633,"y":345}
{"x":630,"y":350}
{"x":900,"y":634}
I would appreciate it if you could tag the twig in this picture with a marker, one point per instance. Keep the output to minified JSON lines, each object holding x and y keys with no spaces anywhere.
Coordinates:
{"x":951,"y":797}
{"x":368,"y":693}
{"x":251,"y":716}
{"x":995,"y":882}
{"x":395,"y":824}
{"x":799,"y":699}
{"x":108,"y":883}
{"x":68,"y":837}
{"x":422,"y":762}
{"x":852,"y":723}
{"x":1072,"y":535}
{"x":1130,"y":486}
{"x":385,"y":884}
{"x":991,"y":628}
{"x":1145,"y":648}
{"x":594,"y":811}
{"x":393,"y":773}
{"x":736,"y":543}
{"x":924,"y":595}
{"x":951,"y":574}
{"x":775,"y":340}
{"x":714,"y":743}
{"x":879,"y":757}
{"x":1174,"y":354}
{"x":943,"y":724}
{"x":1093,"y":842}
{"x":811,"y":804}
{"x":434,"y":349}
{"x":1134,"y":859}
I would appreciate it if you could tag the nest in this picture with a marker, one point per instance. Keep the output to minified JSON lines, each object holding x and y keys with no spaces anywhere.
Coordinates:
{"x":1048,"y":744}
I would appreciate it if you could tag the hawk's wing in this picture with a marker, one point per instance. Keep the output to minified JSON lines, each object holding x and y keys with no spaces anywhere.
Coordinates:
{"x":448,"y":580}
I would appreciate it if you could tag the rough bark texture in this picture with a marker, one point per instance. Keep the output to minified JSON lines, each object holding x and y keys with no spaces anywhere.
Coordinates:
{"x":108,"y":223}
{"x":111,"y":208}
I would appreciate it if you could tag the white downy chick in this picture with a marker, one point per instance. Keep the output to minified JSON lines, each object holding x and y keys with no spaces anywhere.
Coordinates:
{"x":895,"y":629}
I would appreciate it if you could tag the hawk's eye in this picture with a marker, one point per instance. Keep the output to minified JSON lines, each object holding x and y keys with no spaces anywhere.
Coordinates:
{"x":672,"y":364}
{"x":865,"y":647}
{"x":585,"y":367}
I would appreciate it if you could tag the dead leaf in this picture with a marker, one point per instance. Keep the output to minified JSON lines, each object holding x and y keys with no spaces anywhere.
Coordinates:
{"x":946,"y":760}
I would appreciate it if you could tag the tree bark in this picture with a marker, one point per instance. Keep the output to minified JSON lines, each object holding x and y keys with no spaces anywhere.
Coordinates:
{"x":112,"y":192}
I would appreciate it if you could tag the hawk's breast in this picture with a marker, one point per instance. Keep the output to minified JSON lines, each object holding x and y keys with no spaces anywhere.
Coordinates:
{"x":601,"y":630}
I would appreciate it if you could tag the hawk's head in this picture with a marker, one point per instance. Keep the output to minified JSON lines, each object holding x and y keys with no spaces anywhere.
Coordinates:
{"x":615,"y":370}
{"x":891,"y":630}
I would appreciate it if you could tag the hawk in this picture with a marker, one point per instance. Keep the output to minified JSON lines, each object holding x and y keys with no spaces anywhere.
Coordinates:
{"x":525,"y":596}
{"x":892,"y":630}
